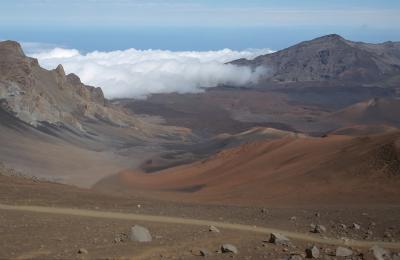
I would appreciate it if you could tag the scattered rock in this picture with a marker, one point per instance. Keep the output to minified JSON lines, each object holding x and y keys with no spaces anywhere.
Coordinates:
{"x":294,"y":257}
{"x":343,"y":226}
{"x":293,"y":218}
{"x":319,"y":229}
{"x":387,"y":234}
{"x":312,"y":252}
{"x":229,"y":248}
{"x":343,"y":252}
{"x":380,"y":253}
{"x":140,"y":234}
{"x":204,"y":252}
{"x":279,"y":239}
{"x":83,"y":251}
{"x":356,"y":226}
{"x":264,"y":211}
{"x":121,"y":237}
{"x":369,"y":233}
{"x":200,"y":252}
{"x":213,"y":229}
{"x":317,"y":214}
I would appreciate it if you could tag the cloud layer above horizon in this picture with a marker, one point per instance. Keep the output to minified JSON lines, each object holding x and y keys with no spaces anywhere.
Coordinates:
{"x":136,"y":73}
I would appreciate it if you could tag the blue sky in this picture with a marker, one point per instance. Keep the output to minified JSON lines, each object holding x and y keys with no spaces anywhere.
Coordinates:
{"x":195,"y":24}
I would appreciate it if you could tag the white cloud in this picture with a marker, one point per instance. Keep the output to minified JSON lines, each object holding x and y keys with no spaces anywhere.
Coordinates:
{"x":137,"y":73}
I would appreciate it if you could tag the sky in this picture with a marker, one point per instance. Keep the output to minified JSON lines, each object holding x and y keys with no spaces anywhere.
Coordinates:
{"x":138,"y":47}
{"x":195,"y":24}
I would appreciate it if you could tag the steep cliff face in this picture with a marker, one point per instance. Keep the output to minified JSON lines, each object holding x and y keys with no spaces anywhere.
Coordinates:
{"x":331,"y":58}
{"x":37,"y":95}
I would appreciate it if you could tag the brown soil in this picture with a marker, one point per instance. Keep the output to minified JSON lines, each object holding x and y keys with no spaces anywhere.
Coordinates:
{"x":46,"y":235}
{"x":288,"y":171}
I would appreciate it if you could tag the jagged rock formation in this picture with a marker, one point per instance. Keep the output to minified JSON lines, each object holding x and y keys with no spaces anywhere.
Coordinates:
{"x":38,"y":95}
{"x":332,"y":58}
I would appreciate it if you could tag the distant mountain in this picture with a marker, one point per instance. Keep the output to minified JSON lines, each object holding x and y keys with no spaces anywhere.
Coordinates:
{"x":331,"y":58}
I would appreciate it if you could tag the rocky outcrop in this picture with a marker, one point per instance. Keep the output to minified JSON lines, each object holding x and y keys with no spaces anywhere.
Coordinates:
{"x":37,"y":95}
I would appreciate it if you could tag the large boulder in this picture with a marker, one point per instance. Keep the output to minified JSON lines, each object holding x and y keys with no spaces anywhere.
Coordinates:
{"x":140,"y":234}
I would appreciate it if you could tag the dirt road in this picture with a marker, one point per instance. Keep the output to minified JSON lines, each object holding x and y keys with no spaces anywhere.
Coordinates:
{"x":197,"y":222}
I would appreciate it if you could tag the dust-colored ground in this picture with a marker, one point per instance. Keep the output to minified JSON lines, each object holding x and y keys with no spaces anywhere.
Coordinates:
{"x":44,"y":235}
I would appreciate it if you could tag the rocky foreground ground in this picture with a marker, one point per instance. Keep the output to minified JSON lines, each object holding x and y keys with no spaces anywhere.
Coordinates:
{"x":335,"y":232}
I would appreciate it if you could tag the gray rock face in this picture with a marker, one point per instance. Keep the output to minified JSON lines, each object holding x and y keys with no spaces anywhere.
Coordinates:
{"x":279,"y":239}
{"x":312,"y":252}
{"x":380,"y":253}
{"x":229,"y":248}
{"x":140,"y":234}
{"x":343,"y":252}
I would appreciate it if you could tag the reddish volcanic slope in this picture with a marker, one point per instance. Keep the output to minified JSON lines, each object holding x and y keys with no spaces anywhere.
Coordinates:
{"x":287,"y":171}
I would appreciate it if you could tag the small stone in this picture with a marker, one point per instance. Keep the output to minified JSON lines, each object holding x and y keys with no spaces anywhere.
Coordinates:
{"x":213,"y":229}
{"x":343,"y":252}
{"x":293,"y":218}
{"x":312,"y":252}
{"x":229,"y":248}
{"x":121,"y":237}
{"x":343,"y":226}
{"x":294,"y":257}
{"x":264,"y":211}
{"x":201,"y":252}
{"x":387,"y":234}
{"x":356,"y":226}
{"x":380,"y":253}
{"x":317,"y":214}
{"x":140,"y":234}
{"x":279,"y":239}
{"x":83,"y":251}
{"x":319,"y":229}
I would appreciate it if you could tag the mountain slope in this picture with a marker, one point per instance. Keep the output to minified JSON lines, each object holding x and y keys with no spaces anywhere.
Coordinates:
{"x":331,"y":58}
{"x":291,"y":170}
{"x":54,"y":126}
{"x":371,"y":112}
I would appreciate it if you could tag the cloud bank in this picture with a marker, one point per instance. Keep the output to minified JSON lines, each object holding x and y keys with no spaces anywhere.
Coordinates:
{"x":136,"y":73}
